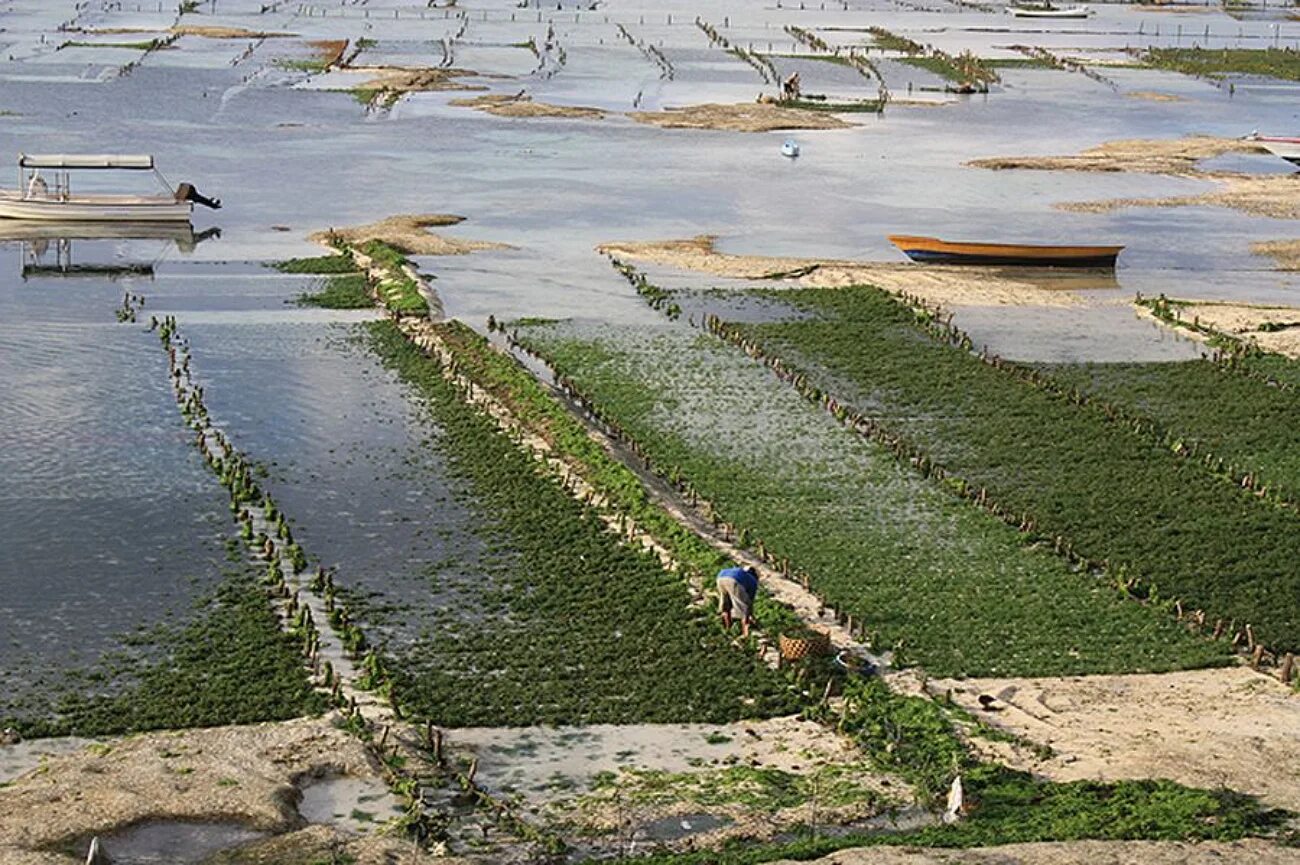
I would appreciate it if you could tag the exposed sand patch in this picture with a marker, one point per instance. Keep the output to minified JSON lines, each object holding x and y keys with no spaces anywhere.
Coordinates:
{"x":1285,"y":252}
{"x":1245,"y":320}
{"x":407,"y":232}
{"x":398,"y":80}
{"x":212,"y":32}
{"x":740,"y":117}
{"x":649,"y":774}
{"x":330,"y":51}
{"x":1275,"y":196}
{"x":1255,"y":851}
{"x":243,"y":774}
{"x":946,"y":286}
{"x":1153,"y":96}
{"x":504,"y":105}
{"x":1204,"y":728}
{"x":1177,"y":156}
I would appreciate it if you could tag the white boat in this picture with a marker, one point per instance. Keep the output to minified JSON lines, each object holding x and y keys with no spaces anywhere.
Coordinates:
{"x":790,"y":148}
{"x":54,"y":200}
{"x":1047,"y":10}
{"x":1279,"y":145}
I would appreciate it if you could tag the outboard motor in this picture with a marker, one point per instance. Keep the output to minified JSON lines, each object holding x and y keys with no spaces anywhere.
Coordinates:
{"x":187,"y":192}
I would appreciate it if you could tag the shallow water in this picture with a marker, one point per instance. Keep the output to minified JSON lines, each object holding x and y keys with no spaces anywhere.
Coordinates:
{"x":110,"y":520}
{"x":176,"y":842}
{"x":354,"y":804}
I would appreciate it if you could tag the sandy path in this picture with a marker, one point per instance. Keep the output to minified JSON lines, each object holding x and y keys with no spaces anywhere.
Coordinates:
{"x":1204,"y":728}
{"x":1075,"y":853}
{"x":945,"y":286}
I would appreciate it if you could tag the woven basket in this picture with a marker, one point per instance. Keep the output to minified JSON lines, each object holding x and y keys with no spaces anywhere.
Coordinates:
{"x":796,"y":648}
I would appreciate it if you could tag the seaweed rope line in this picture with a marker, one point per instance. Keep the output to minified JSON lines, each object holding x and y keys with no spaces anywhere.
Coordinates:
{"x":785,"y":591}
{"x":305,"y":604}
{"x":276,"y":552}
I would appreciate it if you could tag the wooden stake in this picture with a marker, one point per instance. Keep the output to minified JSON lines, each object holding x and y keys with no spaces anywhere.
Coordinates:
{"x":1288,"y":665}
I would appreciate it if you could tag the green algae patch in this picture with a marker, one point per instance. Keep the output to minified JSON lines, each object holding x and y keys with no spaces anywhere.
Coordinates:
{"x":937,"y":580}
{"x":566,"y":624}
{"x":1282,"y":63}
{"x":340,"y":292}
{"x":231,"y":665}
{"x":1104,"y":494}
{"x":912,"y":737}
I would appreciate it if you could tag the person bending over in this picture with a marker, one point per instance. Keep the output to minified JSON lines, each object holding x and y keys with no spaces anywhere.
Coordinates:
{"x":737,"y":587}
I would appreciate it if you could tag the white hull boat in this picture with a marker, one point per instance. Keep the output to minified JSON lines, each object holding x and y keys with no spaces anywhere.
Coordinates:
{"x":94,"y":208}
{"x":1050,"y":11}
{"x":1280,"y":146}
{"x":54,"y":201}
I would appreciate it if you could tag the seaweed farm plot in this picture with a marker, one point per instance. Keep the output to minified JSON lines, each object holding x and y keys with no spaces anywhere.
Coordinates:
{"x":352,"y":464}
{"x":1207,"y":408}
{"x":493,"y":597}
{"x":124,"y":605}
{"x":940,"y":582}
{"x":575,"y":627}
{"x":1163,"y":523}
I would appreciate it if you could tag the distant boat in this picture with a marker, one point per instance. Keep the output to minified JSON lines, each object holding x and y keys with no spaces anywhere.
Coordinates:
{"x":931,"y":250}
{"x":1047,"y":10}
{"x":1278,"y":145}
{"x":37,"y":198}
{"x":790,"y":148}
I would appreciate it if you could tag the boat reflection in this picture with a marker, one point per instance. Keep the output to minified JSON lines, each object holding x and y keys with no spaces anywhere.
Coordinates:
{"x":1063,"y":279}
{"x":47,"y":246}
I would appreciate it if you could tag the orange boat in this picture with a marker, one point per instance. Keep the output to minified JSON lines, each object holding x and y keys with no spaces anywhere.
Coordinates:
{"x":932,"y":250}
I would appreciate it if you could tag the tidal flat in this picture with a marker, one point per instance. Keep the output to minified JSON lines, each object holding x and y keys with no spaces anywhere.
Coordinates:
{"x":314,"y":552}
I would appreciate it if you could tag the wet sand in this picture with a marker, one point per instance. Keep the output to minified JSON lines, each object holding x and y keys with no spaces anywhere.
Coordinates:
{"x":741,"y":117}
{"x":1285,"y":252}
{"x":1243,"y":320}
{"x":1276,"y":196}
{"x":1232,"y":728}
{"x":399,"y":80}
{"x":1074,"y":853}
{"x":246,"y":775}
{"x":408,"y":233}
{"x":502,"y":105}
{"x":1176,"y":156}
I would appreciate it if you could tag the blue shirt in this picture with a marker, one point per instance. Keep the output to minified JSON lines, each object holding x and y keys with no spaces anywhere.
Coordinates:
{"x":743,"y":578}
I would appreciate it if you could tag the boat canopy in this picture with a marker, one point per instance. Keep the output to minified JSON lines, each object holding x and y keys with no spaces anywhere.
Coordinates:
{"x":82,"y":160}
